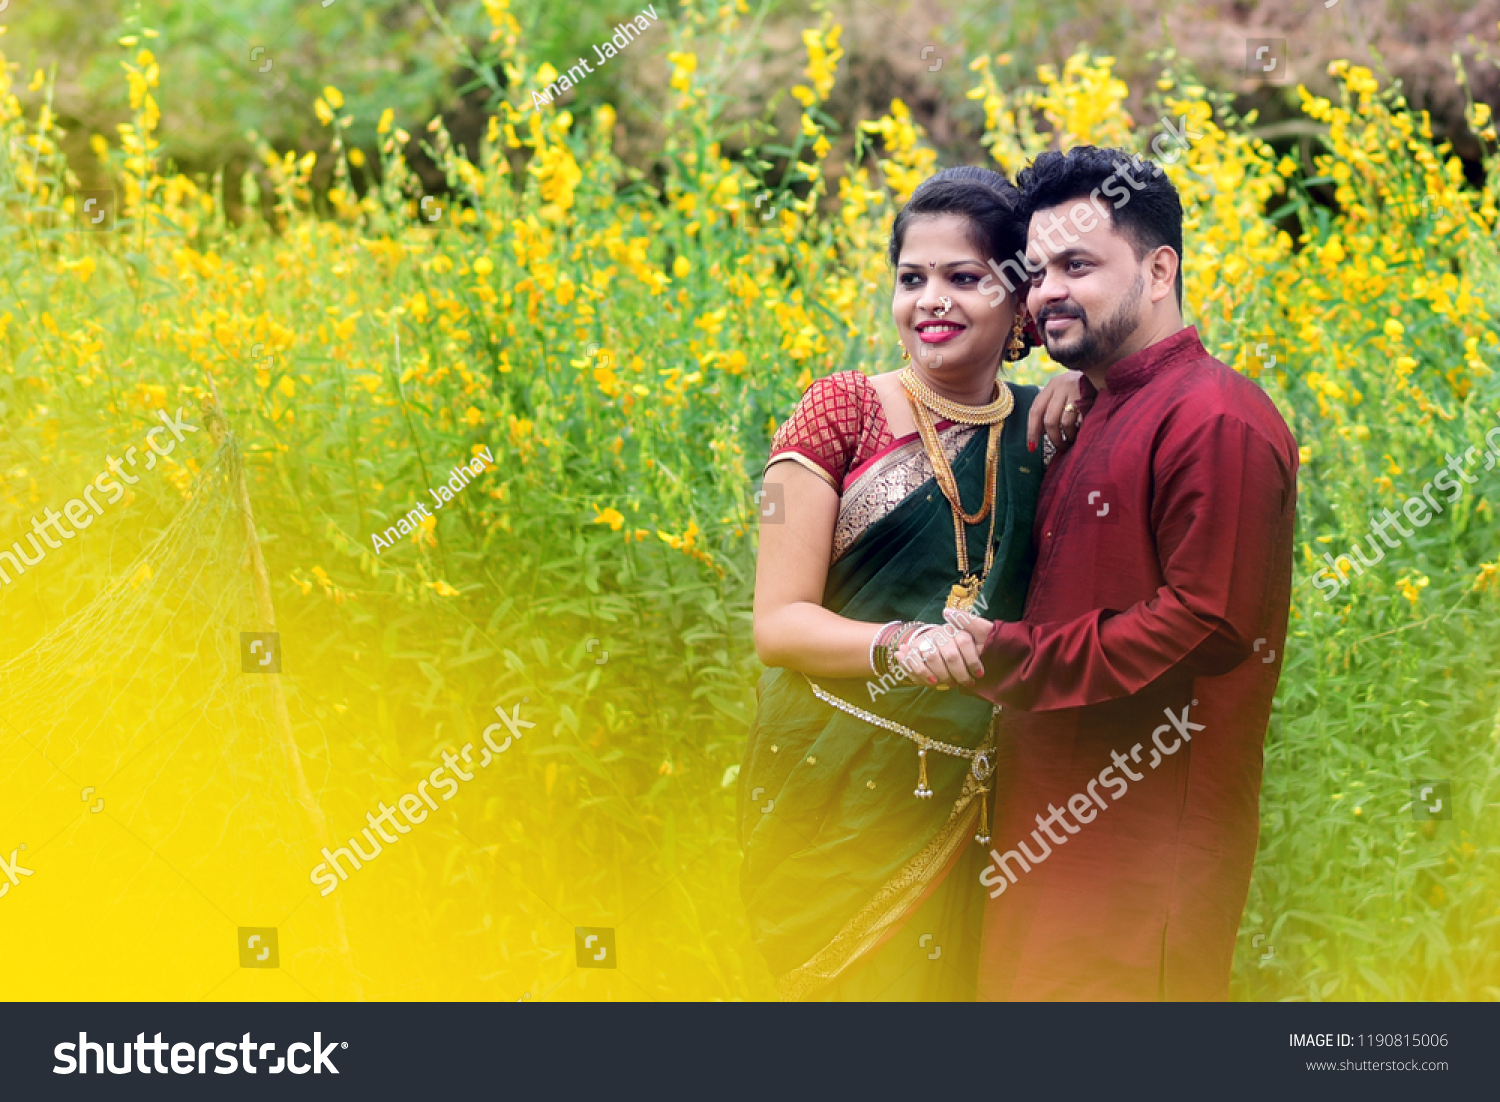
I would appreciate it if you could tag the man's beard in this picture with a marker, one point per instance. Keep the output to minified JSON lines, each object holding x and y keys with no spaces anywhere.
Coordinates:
{"x":1095,"y":347}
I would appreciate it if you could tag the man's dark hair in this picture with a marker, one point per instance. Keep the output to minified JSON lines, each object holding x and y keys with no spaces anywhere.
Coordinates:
{"x":987,"y":200}
{"x":1148,"y":216}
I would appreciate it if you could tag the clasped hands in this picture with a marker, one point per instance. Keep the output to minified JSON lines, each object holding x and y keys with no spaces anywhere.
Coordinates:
{"x":942,"y":654}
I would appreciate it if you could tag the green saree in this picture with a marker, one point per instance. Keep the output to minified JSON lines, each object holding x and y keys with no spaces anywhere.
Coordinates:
{"x":854,"y":888}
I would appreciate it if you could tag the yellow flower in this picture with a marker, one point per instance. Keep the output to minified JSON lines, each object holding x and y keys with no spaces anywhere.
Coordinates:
{"x":386,"y":117}
{"x":1412,"y":586}
{"x":473,"y":416}
{"x":823,"y":53}
{"x":1393,"y":328}
{"x":334,"y":97}
{"x":357,"y":157}
{"x":83,"y":268}
{"x":611,"y":517}
{"x":681,"y":267}
{"x":559,"y":174}
{"x":442,"y":588}
{"x":684,"y":65}
{"x":609,"y":382}
{"x":424,"y":531}
{"x":805,"y":95}
{"x":483,"y":266}
{"x":287,"y":386}
{"x":323,"y":111}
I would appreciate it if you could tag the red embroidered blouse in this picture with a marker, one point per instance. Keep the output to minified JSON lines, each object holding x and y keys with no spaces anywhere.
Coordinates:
{"x":837,"y":426}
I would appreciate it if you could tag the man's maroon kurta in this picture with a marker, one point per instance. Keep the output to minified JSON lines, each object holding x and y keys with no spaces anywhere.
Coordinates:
{"x":1150,"y":648}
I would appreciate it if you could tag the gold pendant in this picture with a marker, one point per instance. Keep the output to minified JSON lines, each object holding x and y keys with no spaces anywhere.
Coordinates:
{"x":965,"y":593}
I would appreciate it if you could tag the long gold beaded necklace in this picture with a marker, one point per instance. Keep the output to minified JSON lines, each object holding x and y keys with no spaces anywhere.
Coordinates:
{"x":965,"y":593}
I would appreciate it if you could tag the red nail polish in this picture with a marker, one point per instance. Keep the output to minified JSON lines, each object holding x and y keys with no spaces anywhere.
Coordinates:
{"x":1031,"y":445}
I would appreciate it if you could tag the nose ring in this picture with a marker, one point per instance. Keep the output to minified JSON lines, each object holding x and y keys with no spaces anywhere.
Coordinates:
{"x":947,"y":304}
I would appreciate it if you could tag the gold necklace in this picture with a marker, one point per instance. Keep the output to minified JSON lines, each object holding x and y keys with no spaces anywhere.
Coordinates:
{"x":990,"y":414}
{"x":965,"y":593}
{"x":944,"y":472}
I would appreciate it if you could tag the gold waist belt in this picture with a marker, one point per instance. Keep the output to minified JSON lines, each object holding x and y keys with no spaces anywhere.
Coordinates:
{"x":979,"y":761}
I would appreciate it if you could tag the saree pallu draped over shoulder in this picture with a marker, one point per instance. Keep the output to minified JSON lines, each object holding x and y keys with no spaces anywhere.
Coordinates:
{"x":839,"y":853}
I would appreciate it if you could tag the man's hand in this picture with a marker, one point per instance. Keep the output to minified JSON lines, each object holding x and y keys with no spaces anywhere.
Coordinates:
{"x":976,"y":627}
{"x":947,"y":653}
{"x":1051,"y":412}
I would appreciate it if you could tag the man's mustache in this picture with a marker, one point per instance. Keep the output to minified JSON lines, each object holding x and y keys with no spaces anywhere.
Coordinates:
{"x":1057,"y":312}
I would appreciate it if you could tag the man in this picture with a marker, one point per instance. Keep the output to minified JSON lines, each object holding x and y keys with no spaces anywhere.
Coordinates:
{"x":1139,"y":683}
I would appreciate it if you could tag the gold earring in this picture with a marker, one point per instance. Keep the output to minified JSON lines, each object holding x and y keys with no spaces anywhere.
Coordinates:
{"x":905,"y":352}
{"x":1015,"y":348}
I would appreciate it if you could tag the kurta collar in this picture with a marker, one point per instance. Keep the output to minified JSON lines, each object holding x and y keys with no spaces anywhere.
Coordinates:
{"x":1139,"y":368}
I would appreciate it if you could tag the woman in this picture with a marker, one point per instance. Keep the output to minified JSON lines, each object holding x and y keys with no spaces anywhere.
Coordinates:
{"x":858,"y":885}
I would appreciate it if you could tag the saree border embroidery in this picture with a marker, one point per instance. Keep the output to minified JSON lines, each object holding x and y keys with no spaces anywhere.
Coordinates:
{"x":887,"y":483}
{"x":802,"y":460}
{"x":893,"y":898}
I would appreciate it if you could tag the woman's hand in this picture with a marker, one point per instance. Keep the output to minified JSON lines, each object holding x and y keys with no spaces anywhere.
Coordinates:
{"x":942,"y":654}
{"x":1056,"y":410}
